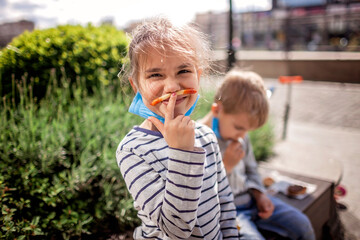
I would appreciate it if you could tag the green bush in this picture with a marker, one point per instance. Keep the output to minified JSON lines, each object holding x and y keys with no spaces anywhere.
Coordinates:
{"x":263,"y":140}
{"x":58,"y":174}
{"x":93,"y":53}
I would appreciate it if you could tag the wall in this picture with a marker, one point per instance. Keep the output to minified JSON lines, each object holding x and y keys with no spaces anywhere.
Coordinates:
{"x":317,"y":66}
{"x":10,"y":30}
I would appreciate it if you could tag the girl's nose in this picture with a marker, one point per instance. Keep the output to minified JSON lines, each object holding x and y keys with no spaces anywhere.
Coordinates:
{"x":171,"y":85}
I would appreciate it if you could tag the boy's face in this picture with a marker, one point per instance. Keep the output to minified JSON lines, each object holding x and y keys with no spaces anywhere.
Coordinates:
{"x":167,"y":74}
{"x":232,"y":126}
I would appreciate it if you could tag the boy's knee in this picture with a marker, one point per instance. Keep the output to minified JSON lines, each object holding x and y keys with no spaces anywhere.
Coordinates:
{"x":306,"y":229}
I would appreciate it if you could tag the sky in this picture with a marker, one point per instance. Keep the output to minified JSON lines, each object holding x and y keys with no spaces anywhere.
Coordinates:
{"x":49,"y":13}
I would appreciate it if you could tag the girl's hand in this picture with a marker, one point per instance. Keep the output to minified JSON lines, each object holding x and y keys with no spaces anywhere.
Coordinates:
{"x":178,"y":132}
{"x":232,"y":155}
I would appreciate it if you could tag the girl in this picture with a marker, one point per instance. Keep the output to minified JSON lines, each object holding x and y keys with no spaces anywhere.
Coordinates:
{"x":172,"y":165}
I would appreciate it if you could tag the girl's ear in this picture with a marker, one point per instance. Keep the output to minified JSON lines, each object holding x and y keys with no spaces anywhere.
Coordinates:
{"x":199,"y":72}
{"x":133,"y":86}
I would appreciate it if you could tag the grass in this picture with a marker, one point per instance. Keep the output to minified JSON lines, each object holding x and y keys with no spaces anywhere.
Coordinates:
{"x":58,"y":156}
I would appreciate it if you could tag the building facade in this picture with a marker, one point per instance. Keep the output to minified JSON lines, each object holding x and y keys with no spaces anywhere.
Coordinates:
{"x":10,"y":30}
{"x":324,"y":25}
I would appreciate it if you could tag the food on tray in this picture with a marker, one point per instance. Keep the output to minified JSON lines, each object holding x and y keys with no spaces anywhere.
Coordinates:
{"x":295,"y":190}
{"x":268,"y":181}
{"x":178,"y":93}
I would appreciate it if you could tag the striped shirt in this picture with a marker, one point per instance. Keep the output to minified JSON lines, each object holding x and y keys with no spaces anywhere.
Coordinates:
{"x":178,"y":194}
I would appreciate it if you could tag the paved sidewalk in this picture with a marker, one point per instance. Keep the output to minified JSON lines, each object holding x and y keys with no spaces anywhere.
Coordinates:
{"x":323,"y":138}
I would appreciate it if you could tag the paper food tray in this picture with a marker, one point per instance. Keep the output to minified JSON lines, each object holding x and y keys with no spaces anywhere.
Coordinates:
{"x":282,"y":183}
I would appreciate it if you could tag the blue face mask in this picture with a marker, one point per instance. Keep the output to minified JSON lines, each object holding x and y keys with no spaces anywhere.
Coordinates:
{"x":215,"y":127}
{"x":138,"y":107}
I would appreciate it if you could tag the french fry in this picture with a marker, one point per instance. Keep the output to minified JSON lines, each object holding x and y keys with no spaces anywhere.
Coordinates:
{"x":238,"y":224}
{"x":178,"y":93}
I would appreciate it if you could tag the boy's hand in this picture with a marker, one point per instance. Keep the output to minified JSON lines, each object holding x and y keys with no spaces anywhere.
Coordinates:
{"x":232,"y":155}
{"x":263,"y":203}
{"x":179,"y":131}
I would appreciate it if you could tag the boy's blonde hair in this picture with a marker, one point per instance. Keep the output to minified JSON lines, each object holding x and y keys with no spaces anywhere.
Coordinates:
{"x":244,"y":92}
{"x":161,"y":35}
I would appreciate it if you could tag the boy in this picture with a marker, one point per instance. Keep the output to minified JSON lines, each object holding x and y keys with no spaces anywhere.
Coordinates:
{"x":240,"y":106}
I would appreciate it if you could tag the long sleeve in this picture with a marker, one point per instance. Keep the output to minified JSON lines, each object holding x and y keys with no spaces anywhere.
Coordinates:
{"x":253,"y":179}
{"x":228,"y":211}
{"x":171,"y":205}
{"x":245,"y":174}
{"x":178,"y":194}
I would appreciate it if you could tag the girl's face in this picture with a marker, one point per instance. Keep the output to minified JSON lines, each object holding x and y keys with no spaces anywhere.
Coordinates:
{"x":167,"y":74}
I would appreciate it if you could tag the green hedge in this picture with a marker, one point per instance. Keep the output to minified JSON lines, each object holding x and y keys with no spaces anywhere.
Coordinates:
{"x":58,"y":173}
{"x":94,"y":54}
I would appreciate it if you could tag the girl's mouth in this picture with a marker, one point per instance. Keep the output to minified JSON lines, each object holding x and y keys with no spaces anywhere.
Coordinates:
{"x":178,"y":93}
{"x":178,"y":100}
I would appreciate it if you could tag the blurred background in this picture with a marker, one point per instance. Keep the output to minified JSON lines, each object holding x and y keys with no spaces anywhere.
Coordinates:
{"x":275,"y":37}
{"x":314,"y":25}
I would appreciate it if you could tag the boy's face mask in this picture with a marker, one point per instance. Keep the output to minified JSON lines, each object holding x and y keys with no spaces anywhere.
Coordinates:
{"x":138,"y":107}
{"x":215,"y":127}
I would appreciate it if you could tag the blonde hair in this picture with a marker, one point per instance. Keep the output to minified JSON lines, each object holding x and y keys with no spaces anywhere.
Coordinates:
{"x":160,"y":34}
{"x":244,"y":92}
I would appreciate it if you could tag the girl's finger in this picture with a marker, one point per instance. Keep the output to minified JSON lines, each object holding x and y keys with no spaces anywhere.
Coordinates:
{"x":187,"y":122}
{"x":192,"y":123}
{"x":158,"y":124}
{"x":169,"y":114}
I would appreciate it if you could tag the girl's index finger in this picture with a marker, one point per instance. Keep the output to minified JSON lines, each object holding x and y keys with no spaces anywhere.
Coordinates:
{"x":169,"y":115}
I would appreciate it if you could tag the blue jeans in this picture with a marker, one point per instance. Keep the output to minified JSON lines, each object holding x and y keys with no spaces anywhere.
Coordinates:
{"x":286,"y":221}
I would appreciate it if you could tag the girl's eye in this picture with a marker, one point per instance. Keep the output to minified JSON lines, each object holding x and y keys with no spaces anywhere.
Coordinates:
{"x":154,"y":75}
{"x":184,"y":71}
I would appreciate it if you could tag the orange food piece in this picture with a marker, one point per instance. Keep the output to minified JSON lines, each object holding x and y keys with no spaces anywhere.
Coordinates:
{"x":268,"y":181}
{"x":178,"y":93}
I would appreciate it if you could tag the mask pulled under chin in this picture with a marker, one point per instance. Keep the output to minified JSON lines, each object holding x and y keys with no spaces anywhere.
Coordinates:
{"x":138,"y":107}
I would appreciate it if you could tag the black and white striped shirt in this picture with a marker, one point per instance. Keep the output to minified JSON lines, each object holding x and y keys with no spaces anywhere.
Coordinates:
{"x":178,"y":194}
